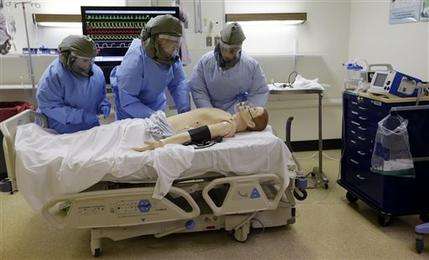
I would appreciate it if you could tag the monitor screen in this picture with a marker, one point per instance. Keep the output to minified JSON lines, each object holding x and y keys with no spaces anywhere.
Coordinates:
{"x":113,"y":28}
{"x":380,"y":78}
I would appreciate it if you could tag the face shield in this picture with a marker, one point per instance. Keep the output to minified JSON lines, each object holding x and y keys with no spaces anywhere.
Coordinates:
{"x":230,"y":52}
{"x":77,"y":54}
{"x":169,"y":45}
{"x":81,"y":65}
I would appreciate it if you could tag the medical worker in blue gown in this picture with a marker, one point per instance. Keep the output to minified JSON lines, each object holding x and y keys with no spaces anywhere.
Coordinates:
{"x":227,"y":76}
{"x":72,"y":90}
{"x":150,"y":66}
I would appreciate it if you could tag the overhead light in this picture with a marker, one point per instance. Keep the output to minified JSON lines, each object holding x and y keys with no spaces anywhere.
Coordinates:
{"x":58,"y":20}
{"x":59,"y":24}
{"x":271,"y":22}
{"x":292,"y":22}
{"x":288,"y":18}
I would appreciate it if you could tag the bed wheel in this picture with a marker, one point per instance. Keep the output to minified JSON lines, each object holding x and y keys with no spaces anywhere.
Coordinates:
{"x":242,"y":233}
{"x":420,"y":244}
{"x":351,"y":197}
{"x":97,"y":252}
{"x":300,"y":194}
{"x":95,"y":243}
{"x":384,"y":219}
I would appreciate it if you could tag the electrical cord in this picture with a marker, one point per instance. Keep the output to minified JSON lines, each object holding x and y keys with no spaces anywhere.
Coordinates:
{"x":290,"y":80}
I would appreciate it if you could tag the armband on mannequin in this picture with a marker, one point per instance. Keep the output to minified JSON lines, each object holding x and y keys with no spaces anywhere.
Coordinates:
{"x":200,"y":134}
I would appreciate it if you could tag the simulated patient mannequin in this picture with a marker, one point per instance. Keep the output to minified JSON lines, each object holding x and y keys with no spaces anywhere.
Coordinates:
{"x":205,"y":124}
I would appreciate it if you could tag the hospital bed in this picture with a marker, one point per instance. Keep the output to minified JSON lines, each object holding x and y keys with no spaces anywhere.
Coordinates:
{"x":121,"y":209}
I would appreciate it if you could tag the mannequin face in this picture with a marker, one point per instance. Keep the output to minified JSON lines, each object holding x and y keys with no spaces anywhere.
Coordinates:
{"x":248,"y":113}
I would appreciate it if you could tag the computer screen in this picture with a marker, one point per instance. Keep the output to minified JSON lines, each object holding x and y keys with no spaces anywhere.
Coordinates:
{"x":380,"y":78}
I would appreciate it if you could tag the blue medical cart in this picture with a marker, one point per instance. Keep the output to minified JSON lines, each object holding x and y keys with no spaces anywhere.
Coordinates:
{"x":389,"y":195}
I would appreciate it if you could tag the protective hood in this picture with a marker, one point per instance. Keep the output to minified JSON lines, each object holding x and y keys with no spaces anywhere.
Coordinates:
{"x":232,"y":34}
{"x":162,"y":24}
{"x":79,"y":45}
{"x":221,"y":62}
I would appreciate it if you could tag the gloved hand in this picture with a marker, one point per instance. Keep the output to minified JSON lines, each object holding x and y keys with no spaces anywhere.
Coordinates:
{"x":90,"y":118}
{"x":183,"y":110}
{"x":105,"y":110}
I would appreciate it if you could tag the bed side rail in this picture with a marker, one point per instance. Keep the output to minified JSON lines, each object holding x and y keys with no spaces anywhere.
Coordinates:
{"x":9,"y":128}
{"x":244,"y":194}
{"x":116,"y":208}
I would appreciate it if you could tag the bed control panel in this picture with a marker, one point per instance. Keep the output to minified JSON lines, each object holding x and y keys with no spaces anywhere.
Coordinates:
{"x":134,"y":208}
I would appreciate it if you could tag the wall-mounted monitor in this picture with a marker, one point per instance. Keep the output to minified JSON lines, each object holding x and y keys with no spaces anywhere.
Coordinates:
{"x":114,"y":27}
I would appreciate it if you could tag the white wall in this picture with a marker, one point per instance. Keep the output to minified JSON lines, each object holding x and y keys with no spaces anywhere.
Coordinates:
{"x":335,"y":31}
{"x":323,"y":40}
{"x":323,"y":37}
{"x":212,"y":11}
{"x":48,"y":36}
{"x":405,"y":46}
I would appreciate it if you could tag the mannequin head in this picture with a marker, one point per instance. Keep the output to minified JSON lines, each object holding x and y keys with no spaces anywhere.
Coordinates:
{"x":255,"y":118}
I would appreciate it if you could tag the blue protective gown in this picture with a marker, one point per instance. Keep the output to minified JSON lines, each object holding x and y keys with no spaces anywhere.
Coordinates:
{"x":213,"y":87}
{"x":71,"y":102}
{"x":139,"y":84}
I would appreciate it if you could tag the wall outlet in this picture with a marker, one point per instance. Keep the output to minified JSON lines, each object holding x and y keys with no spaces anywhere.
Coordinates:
{"x":209,"y":41}
{"x":217,"y":40}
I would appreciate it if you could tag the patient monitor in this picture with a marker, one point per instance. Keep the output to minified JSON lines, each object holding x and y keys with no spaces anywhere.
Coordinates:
{"x":395,"y":83}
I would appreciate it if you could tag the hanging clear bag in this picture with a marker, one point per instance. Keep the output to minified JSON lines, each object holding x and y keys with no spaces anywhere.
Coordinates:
{"x":392,"y":155}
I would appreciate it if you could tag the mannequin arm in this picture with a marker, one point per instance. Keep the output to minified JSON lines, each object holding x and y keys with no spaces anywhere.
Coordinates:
{"x":216,"y":130}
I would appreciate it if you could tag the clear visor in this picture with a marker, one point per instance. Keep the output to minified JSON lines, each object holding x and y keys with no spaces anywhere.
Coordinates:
{"x":169,"y":37}
{"x":230,"y":48}
{"x":170,"y":44}
{"x":82,"y":58}
{"x":82,"y":62}
{"x":81,"y":65}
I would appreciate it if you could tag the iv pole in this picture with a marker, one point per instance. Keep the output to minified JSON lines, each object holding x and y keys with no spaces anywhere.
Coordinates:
{"x":30,"y":60}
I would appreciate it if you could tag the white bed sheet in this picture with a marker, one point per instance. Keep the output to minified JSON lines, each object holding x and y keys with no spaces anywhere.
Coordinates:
{"x":51,"y":165}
